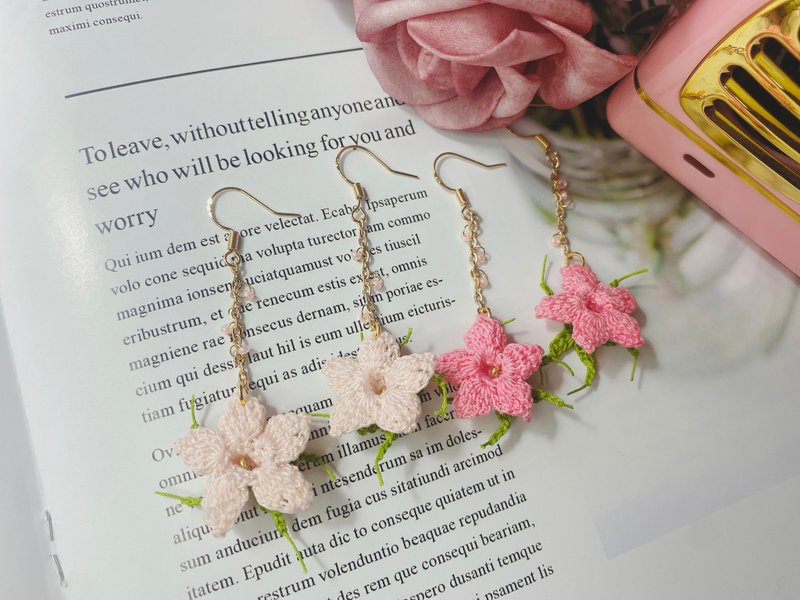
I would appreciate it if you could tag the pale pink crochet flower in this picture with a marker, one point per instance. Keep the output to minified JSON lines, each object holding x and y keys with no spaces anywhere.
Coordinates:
{"x":598,"y":312}
{"x":490,"y":373}
{"x":378,"y":386}
{"x":248,"y":451}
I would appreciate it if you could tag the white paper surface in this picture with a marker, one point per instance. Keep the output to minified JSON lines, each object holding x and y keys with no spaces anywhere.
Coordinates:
{"x":682,"y":483}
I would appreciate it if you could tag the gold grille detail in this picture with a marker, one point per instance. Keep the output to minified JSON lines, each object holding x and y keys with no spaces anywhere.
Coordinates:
{"x":745,"y":95}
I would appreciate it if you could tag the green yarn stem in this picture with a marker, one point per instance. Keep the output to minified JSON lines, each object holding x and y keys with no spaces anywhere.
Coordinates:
{"x":185,"y":500}
{"x":502,"y":429}
{"x":558,"y":361}
{"x":507,"y":321}
{"x":389,"y":438}
{"x":323,"y":415}
{"x":195,"y":424}
{"x":406,"y":339}
{"x":542,"y":283}
{"x":317,"y":460}
{"x":361,"y":336}
{"x":634,"y":352}
{"x":539,"y":395}
{"x":442,"y":410}
{"x":619,"y":280}
{"x":591,"y":368}
{"x":561,"y":343}
{"x":280,"y":526}
{"x":367,"y":430}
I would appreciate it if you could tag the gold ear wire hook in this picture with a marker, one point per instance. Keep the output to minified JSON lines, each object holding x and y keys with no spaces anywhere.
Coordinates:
{"x":233,"y":235}
{"x":462,"y":157}
{"x":537,"y":137}
{"x":358,"y":189}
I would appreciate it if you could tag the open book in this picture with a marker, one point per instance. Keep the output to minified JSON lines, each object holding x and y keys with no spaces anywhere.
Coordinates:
{"x":120,"y":119}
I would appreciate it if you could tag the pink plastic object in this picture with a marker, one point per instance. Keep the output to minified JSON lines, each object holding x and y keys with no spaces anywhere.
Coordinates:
{"x":646,"y":110}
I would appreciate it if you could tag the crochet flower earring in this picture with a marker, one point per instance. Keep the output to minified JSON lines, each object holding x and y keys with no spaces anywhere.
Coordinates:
{"x":490,"y":374}
{"x":249,"y":451}
{"x":594,"y":313}
{"x":376,"y":389}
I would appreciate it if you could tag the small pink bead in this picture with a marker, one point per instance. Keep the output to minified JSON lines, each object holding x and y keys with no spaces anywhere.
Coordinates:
{"x":555,"y":241}
{"x":356,"y":254}
{"x":248,"y":293}
{"x":569,"y":203}
{"x":483,"y":281}
{"x":225,"y":328}
{"x":376,"y":283}
{"x":465,"y":234}
{"x":364,"y":317}
{"x":244,"y":348}
{"x":480,"y":255}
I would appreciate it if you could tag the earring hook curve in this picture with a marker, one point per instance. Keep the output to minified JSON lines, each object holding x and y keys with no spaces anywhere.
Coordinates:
{"x":462,"y":157}
{"x":358,"y":189}
{"x":233,"y":235}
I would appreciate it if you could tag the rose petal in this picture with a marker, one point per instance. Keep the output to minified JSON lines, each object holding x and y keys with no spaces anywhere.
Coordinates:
{"x":623,"y":329}
{"x":580,"y":72}
{"x":223,"y":500}
{"x":458,"y":365}
{"x":519,"y":91}
{"x":520,"y":361}
{"x":423,"y":65}
{"x":351,"y":412}
{"x":283,"y":439}
{"x":397,"y":411}
{"x":282,"y":488}
{"x":560,"y":307}
{"x":578,"y":280}
{"x":410,"y":373}
{"x":486,"y":337}
{"x":202,"y":449}
{"x":240,"y":424}
{"x":589,"y":331}
{"x":475,"y":397}
{"x":513,"y":397}
{"x":396,"y":80}
{"x":465,"y":112}
{"x":374,"y":18}
{"x":466,"y":77}
{"x":378,"y":353}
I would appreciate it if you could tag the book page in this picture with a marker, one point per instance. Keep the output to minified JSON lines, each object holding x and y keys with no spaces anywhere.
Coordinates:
{"x":114,"y":292}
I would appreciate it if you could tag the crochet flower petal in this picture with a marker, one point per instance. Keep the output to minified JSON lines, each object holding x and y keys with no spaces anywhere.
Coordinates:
{"x":622,"y":329}
{"x":604,"y":297}
{"x":397,"y":411}
{"x":351,"y":411}
{"x":559,"y":307}
{"x":240,"y":424}
{"x":282,"y":488}
{"x":577,"y":280}
{"x":513,"y":397}
{"x":520,"y":361}
{"x":458,"y":366}
{"x":223,"y":500}
{"x":202,"y":449}
{"x":486,"y":337}
{"x":475,"y":397}
{"x":589,"y":331}
{"x":283,"y":439}
{"x":343,"y":374}
{"x":410,"y":373}
{"x":378,"y":353}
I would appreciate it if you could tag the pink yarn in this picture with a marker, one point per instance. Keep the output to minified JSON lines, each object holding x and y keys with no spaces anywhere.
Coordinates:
{"x":598,"y":312}
{"x":490,"y":373}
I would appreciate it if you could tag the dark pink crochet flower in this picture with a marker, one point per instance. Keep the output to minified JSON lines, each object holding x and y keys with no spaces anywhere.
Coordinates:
{"x":598,"y":312}
{"x":490,"y":373}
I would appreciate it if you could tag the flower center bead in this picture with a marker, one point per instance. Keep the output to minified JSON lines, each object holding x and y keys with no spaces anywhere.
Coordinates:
{"x":495,"y":372}
{"x":244,"y":461}
{"x":377,"y":384}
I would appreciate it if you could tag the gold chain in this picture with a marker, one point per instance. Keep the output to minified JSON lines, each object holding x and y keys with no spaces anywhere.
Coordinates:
{"x":559,"y":187}
{"x":369,"y":312}
{"x":235,"y":328}
{"x":477,"y":254}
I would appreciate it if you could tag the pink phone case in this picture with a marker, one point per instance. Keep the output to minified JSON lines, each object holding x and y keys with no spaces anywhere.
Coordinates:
{"x":716,"y":103}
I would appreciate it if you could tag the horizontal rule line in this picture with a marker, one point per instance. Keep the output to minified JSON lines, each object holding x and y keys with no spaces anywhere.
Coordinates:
{"x":211,"y":70}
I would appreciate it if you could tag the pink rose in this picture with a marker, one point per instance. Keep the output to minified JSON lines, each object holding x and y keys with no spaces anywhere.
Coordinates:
{"x":475,"y":65}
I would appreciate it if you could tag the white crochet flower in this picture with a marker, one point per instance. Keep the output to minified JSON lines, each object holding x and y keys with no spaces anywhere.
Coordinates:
{"x":248,"y":451}
{"x":378,"y":386}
